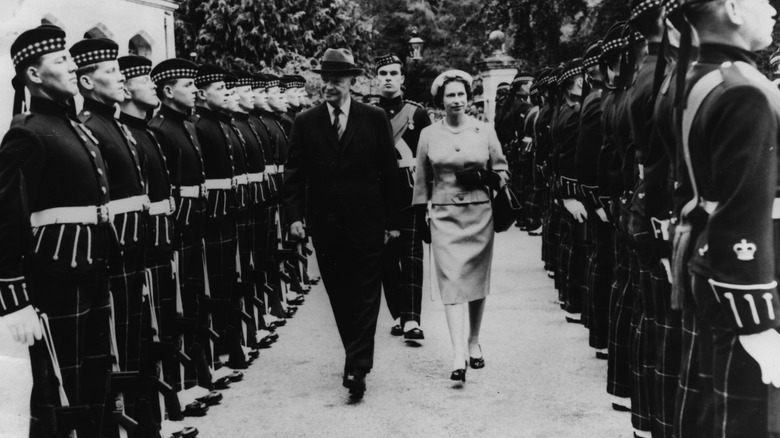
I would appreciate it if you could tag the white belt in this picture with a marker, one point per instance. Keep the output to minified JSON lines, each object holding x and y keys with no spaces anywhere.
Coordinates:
{"x":255,"y":177}
{"x":89,"y":215}
{"x":219,"y":184}
{"x":271,"y":169}
{"x":127,"y":205}
{"x":241,"y":180}
{"x":710,"y":206}
{"x":190,"y":191}
{"x":407,"y":162}
{"x":166,"y":207}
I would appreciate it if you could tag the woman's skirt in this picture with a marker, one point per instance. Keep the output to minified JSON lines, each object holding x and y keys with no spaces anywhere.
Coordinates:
{"x":462,"y":243}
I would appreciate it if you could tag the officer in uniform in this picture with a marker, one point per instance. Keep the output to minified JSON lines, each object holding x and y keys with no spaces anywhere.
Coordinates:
{"x":541,"y":183}
{"x":223,"y":159}
{"x":55,"y":239}
{"x":250,"y":130}
{"x":616,"y":133}
{"x":646,"y":17}
{"x":173,"y":129}
{"x":565,"y":132}
{"x":402,"y":270}
{"x":101,"y":84}
{"x":519,"y":159}
{"x":734,"y":263}
{"x":277,"y":100}
{"x":600,"y":251}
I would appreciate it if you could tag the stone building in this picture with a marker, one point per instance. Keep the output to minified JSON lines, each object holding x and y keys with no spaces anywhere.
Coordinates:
{"x":143,"y":27}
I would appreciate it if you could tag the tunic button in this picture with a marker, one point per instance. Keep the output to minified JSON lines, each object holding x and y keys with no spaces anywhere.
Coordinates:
{"x":103,"y":189}
{"x":94,"y":154}
{"x":100,"y":171}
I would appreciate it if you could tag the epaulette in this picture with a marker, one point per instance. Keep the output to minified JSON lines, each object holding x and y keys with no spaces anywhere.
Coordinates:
{"x":413,"y":103}
{"x":84,"y":116}
{"x":157,"y":121}
{"x":21,"y":119}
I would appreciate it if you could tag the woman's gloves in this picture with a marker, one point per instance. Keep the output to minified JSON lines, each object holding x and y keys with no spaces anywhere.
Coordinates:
{"x":472,"y":179}
{"x":421,"y":224}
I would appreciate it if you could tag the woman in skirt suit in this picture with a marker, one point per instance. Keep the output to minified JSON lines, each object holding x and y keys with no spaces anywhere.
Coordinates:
{"x":459,"y":162}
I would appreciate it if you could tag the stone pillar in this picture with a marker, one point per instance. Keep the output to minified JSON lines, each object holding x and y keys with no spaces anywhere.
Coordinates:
{"x":494,"y":70}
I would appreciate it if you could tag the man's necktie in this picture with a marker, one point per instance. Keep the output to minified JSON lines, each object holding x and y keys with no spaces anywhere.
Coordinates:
{"x":337,"y":122}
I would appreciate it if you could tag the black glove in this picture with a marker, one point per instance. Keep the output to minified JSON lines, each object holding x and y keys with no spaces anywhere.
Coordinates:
{"x":421,"y":225}
{"x":475,"y":178}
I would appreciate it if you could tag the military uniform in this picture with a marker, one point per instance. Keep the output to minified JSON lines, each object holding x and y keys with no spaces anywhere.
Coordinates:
{"x":600,"y":253}
{"x":734,"y":264}
{"x":176,"y":135}
{"x":402,"y":271}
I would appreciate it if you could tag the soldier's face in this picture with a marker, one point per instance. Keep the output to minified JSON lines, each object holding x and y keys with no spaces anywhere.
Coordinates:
{"x":293,"y":96}
{"x":142,"y":91}
{"x":56,"y":73}
{"x":454,"y":98}
{"x":390,"y":80}
{"x":276,"y":100}
{"x":261,"y":99}
{"x":335,"y":88}
{"x":233,"y":99}
{"x":246,"y":97}
{"x":183,"y":92}
{"x":756,"y":20}
{"x":215,"y":95}
{"x":107,"y":83}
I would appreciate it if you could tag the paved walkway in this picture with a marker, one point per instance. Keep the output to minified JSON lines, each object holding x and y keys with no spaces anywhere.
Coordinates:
{"x":541,"y":379}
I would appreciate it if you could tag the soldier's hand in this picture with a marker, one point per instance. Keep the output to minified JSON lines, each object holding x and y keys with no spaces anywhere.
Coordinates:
{"x":576,"y":209}
{"x":297,"y":230}
{"x":764,"y":348}
{"x":24,"y":325}
{"x":602,"y":215}
{"x":391,"y":234}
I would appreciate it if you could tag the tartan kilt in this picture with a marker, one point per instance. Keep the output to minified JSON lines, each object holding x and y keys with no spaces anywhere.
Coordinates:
{"x":221,"y":246}
{"x":162,"y":286}
{"x":737,"y":396}
{"x":126,"y":289}
{"x":552,"y":239}
{"x":564,"y":249}
{"x":668,"y":338}
{"x":571,"y":264}
{"x":620,"y":311}
{"x":536,"y":197}
{"x":601,"y":257}
{"x":77,"y":306}
{"x":402,"y":269}
{"x":689,"y":409}
{"x":642,"y":347}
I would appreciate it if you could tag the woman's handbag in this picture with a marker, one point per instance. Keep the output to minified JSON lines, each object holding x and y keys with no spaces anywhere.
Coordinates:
{"x":506,"y":209}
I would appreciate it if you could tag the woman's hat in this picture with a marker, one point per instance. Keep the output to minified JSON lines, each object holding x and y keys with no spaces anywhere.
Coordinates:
{"x":338,"y":61}
{"x":449,"y":74}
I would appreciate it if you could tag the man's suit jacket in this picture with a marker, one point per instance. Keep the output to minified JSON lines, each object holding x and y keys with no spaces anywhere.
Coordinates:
{"x":349,"y":184}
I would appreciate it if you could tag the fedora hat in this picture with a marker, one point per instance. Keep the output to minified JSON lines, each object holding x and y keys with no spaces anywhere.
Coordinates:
{"x":338,"y":61}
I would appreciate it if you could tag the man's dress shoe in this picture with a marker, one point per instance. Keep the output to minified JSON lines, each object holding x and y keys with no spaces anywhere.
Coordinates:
{"x":355,"y":381}
{"x":414,"y":334}
{"x":396,"y":330}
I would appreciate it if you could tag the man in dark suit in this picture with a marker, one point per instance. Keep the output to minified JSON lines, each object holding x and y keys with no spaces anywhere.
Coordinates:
{"x":342,"y":152}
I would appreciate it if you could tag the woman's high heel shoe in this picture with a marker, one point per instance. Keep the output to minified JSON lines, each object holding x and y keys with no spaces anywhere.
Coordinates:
{"x":477,"y":362}
{"x":460,"y":373}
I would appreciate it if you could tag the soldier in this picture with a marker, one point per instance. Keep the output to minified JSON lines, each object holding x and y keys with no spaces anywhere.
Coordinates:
{"x":542,"y":185}
{"x":277,"y":100}
{"x":600,"y":253}
{"x":616,"y":133}
{"x":565,"y":132}
{"x":733,"y":212}
{"x":402,"y":271}
{"x":175,"y":82}
{"x":101,"y":84}
{"x":295,"y":88}
{"x":518,"y":158}
{"x":55,"y":241}
{"x":223,"y":159}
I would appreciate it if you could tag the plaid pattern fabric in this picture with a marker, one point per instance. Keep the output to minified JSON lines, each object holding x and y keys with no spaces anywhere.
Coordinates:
{"x":80,"y":334}
{"x":737,"y":399}
{"x":642,"y":347}
{"x":126,"y":288}
{"x":163,"y":288}
{"x":402,"y":269}
{"x":571,"y":264}
{"x":601,"y":257}
{"x":535,"y":198}
{"x":221,"y":245}
{"x":668,"y":339}
{"x":564,"y":249}
{"x":687,"y":401}
{"x":551,"y":235}
{"x":620,"y":311}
